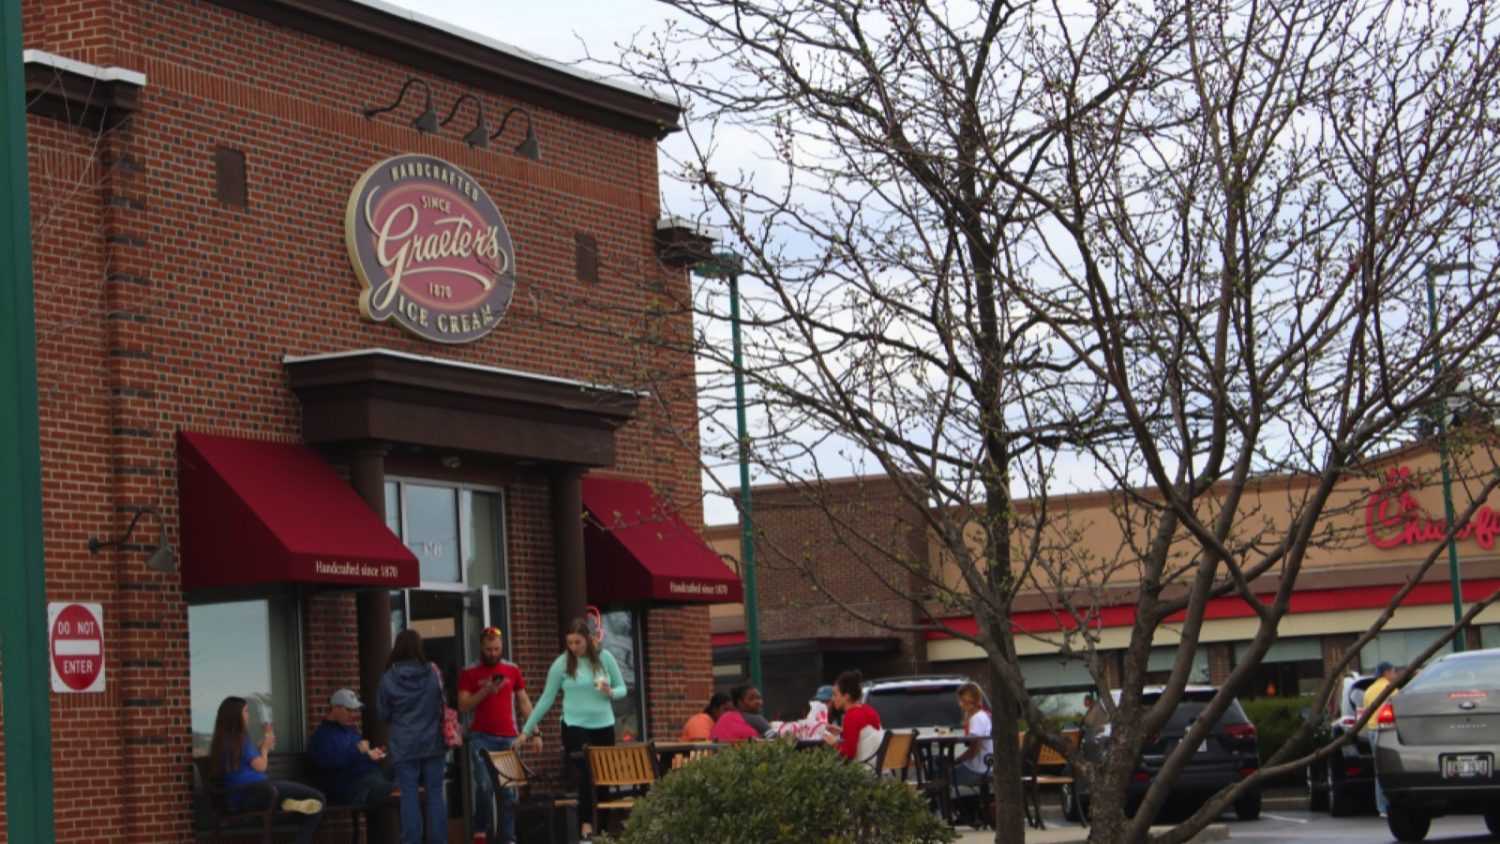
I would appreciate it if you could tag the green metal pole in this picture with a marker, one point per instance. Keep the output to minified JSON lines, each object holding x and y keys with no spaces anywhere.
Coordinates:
{"x":747,"y":519}
{"x":1442,"y":434}
{"x":23,"y":639}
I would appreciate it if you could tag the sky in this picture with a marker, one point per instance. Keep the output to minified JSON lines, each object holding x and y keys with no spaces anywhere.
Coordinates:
{"x":568,"y":31}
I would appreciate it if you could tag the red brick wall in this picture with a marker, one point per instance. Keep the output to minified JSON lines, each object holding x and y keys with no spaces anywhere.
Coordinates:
{"x":840,"y":537}
{"x":159,"y":309}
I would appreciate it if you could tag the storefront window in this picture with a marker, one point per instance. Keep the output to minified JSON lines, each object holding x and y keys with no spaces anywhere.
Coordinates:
{"x":458,"y":536}
{"x":1160,"y":661}
{"x":430,"y":530}
{"x":253,"y":650}
{"x":1400,"y":647}
{"x":1290,"y":667}
{"x":622,"y":638}
{"x":1489,"y":636}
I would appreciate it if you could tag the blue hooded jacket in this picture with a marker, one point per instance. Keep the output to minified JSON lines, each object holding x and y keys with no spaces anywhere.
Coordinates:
{"x":411,"y":701}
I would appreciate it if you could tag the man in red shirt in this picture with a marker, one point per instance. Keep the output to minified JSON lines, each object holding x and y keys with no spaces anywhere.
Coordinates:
{"x":494,"y":691}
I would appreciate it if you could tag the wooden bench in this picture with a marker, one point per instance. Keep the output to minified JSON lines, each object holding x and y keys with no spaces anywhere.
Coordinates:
{"x":214,"y":817}
{"x":630,"y":768}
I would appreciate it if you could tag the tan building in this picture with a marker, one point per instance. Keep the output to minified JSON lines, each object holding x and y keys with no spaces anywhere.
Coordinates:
{"x":1377,"y":528}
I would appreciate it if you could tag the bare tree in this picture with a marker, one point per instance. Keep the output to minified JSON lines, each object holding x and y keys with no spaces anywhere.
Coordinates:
{"x":1179,"y":246}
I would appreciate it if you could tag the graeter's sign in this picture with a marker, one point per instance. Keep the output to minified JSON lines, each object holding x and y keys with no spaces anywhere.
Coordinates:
{"x":430,"y":248}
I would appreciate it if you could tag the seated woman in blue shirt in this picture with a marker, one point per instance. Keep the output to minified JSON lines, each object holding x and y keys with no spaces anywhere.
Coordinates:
{"x":240,"y":765}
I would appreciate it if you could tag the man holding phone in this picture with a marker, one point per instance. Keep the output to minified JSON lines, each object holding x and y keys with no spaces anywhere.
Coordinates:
{"x":494,"y":691}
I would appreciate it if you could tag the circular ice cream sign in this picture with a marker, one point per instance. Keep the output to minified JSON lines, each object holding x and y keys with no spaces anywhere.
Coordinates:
{"x":430,"y":248}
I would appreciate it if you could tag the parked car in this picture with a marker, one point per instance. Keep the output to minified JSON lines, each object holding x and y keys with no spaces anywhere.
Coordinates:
{"x":1344,"y":784}
{"x":1436,"y":743}
{"x":922,"y":702}
{"x":1227,"y":755}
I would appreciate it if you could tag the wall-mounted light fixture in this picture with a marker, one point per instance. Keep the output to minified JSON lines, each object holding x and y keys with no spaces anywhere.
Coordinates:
{"x":162,"y":559}
{"x":528,"y":146}
{"x":478,"y":136}
{"x":427,"y":121}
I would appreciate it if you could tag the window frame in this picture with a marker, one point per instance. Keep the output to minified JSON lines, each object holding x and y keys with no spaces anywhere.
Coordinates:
{"x":296,"y":726}
{"x":502,"y":528}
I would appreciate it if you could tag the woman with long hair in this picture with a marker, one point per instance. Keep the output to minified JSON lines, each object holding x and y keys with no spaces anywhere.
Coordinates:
{"x":590,"y":681}
{"x":240,"y":764}
{"x":411,"y":701}
{"x":971,"y":768}
{"x":848,"y":697}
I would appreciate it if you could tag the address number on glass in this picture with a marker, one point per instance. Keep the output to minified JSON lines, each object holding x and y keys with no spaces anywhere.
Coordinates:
{"x":1466,"y":766}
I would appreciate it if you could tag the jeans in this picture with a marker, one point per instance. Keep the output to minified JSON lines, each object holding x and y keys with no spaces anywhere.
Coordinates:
{"x":429,"y":770}
{"x":257,"y":797}
{"x":486,"y":783}
{"x":964,"y":775}
{"x":577,"y":766}
{"x":372,"y":788}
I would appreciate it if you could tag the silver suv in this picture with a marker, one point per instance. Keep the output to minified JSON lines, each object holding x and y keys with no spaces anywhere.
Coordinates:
{"x":1436,"y":743}
{"x":921,"y":702}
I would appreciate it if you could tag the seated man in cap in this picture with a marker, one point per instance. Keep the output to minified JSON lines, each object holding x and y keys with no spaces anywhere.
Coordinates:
{"x":349,"y":768}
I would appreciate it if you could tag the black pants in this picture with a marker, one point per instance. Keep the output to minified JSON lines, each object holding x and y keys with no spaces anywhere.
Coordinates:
{"x":258,"y":798}
{"x":576,"y":763}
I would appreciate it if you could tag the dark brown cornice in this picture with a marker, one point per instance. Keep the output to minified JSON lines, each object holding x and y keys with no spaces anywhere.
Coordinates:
{"x":75,"y":98}
{"x":427,"y":49}
{"x":386,"y":397}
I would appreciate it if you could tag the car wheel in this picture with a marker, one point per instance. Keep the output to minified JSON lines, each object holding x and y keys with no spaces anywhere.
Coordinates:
{"x":1408,"y":824}
{"x":1317,"y":789}
{"x":1340,"y":802}
{"x":1247,"y":808}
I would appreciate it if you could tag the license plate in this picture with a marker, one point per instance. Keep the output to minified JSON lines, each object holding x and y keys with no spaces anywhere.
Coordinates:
{"x":1472,"y":766}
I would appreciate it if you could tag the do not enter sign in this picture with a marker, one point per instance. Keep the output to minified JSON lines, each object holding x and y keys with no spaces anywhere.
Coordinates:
{"x":75,"y":637}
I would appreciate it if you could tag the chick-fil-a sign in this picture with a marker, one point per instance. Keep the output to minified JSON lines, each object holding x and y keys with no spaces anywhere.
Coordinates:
{"x":1393,"y":517}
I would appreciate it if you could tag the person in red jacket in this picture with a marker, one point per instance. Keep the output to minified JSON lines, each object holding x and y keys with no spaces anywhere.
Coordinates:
{"x":848,"y":694}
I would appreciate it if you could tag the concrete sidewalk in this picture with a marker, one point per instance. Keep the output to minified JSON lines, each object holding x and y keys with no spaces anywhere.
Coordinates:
{"x":1073,"y":834}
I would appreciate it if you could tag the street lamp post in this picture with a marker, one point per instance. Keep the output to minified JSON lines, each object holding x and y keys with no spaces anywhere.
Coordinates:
{"x":727,"y":265}
{"x":1433,"y":270}
{"x":23,"y":642}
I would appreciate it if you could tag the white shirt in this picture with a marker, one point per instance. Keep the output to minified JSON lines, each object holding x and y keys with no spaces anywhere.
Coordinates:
{"x":979,"y":725}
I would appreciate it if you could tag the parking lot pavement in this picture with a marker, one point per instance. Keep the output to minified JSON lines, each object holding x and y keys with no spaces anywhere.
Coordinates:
{"x":1285,"y":826}
{"x":1298,"y":826}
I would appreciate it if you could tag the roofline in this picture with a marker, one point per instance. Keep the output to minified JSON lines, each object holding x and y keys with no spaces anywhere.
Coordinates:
{"x":460,"y":364}
{"x":440,"y":48}
{"x":1265,"y":482}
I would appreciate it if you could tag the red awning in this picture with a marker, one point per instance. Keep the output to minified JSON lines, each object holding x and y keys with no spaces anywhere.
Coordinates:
{"x":638,"y":550}
{"x":256,"y":513}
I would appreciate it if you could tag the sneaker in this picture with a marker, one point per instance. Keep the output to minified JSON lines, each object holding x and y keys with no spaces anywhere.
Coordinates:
{"x":303,"y":807}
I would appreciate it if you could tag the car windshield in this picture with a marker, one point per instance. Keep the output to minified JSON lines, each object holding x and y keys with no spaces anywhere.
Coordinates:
{"x":903,"y":707}
{"x":1193,"y":702}
{"x":1470,"y":672}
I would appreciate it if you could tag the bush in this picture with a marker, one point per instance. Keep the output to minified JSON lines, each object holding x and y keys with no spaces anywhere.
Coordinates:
{"x":772,"y":793}
{"x":1276,"y":719}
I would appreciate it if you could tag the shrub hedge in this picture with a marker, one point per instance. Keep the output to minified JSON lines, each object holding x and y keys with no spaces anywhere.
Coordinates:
{"x":772,"y":793}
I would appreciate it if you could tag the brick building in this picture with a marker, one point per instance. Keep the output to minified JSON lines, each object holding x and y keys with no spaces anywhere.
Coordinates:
{"x":1377,"y":527}
{"x":224,"y":245}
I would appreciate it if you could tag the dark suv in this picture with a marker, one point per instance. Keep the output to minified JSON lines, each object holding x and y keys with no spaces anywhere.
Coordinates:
{"x":1436,"y":743}
{"x":1227,"y":755}
{"x":1345,"y":783}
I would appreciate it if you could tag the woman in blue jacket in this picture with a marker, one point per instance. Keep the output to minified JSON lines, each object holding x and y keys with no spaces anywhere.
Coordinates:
{"x":411,"y":701}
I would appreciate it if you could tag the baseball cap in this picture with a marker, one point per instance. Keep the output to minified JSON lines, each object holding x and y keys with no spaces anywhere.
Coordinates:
{"x":1383,"y":667}
{"x":824,"y":694}
{"x":346,"y":698}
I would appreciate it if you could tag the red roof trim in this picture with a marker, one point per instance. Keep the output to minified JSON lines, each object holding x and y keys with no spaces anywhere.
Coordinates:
{"x":1307,"y":601}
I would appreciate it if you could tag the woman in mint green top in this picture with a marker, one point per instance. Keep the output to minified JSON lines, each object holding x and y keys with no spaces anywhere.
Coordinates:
{"x":590,"y":680}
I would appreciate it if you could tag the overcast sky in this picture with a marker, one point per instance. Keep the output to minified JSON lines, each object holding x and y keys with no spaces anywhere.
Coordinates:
{"x":568,"y":31}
